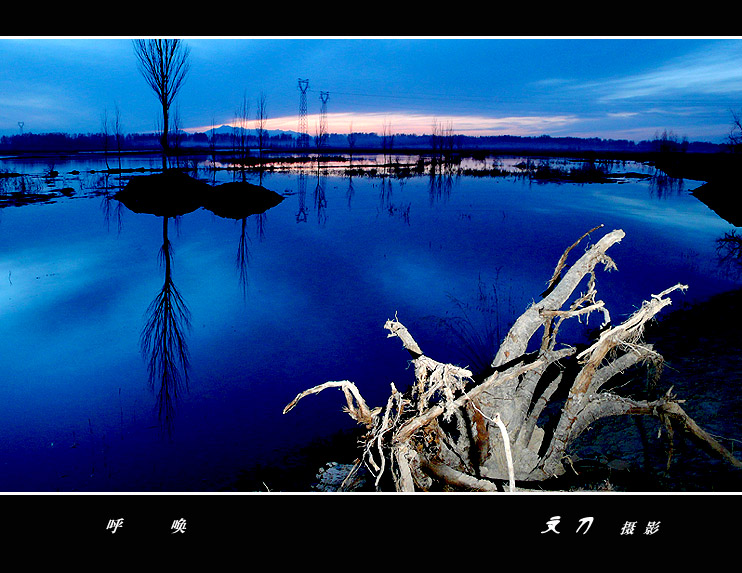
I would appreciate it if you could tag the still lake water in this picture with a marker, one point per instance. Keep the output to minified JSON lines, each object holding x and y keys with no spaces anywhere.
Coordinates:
{"x":280,"y":302}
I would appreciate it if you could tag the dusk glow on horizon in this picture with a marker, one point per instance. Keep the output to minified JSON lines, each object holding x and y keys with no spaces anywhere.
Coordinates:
{"x":414,"y":124}
{"x":612,"y":88}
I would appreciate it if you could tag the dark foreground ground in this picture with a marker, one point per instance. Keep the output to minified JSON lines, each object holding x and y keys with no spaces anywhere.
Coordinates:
{"x":700,"y":345}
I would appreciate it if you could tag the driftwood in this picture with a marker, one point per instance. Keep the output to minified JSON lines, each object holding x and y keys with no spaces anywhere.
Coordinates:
{"x":473,"y":433}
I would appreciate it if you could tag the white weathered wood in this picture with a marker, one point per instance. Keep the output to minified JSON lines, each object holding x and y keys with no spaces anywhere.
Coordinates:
{"x":413,"y":436}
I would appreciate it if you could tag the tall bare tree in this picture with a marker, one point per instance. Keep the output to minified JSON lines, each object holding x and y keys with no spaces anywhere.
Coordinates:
{"x":117,"y":132}
{"x":105,"y":134}
{"x":735,"y":134}
{"x":261,"y":120}
{"x":241,"y":134}
{"x":164,"y":65}
{"x":387,"y":139}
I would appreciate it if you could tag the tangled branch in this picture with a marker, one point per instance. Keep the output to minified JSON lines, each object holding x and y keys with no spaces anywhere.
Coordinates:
{"x":442,"y":430}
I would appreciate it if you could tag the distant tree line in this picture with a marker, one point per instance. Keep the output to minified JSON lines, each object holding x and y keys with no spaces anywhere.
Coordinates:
{"x":56,"y":142}
{"x":224,"y":139}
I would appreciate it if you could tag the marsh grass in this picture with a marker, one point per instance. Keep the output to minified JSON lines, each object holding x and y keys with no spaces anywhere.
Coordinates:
{"x":477,"y":325}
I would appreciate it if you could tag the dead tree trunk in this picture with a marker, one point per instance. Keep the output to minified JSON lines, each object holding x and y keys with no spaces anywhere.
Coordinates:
{"x":472,"y":434}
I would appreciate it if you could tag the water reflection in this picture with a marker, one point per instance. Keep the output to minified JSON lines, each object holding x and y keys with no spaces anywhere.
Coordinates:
{"x":351,"y":189}
{"x":386,"y":203}
{"x":243,"y":257}
{"x":241,"y":201}
{"x":473,"y":231}
{"x":663,"y":186}
{"x":168,"y":195}
{"x":301,"y":215}
{"x":111,"y":209}
{"x":320,"y":199}
{"x":729,"y":252}
{"x":385,"y":193}
{"x":171,"y":195}
{"x":163,"y":339}
{"x":440,"y":184}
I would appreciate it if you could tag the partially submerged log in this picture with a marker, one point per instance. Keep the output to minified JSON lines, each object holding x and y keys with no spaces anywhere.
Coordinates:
{"x":480,"y":434}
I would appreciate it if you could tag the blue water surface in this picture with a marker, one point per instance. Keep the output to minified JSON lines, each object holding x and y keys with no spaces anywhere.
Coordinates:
{"x":280,"y":302}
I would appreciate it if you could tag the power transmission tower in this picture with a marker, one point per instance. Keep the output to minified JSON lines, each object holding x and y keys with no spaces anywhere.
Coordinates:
{"x":303,"y":129}
{"x":323,"y":96}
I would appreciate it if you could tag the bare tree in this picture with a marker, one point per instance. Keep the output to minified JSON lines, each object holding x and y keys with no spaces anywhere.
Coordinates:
{"x":735,"y":134}
{"x":212,"y":144}
{"x":435,"y":138}
{"x":450,"y":139}
{"x":164,"y":65}
{"x":106,"y":135}
{"x":320,"y":139}
{"x":241,"y":133}
{"x":177,"y":135}
{"x":387,"y":139}
{"x":352,"y":138}
{"x":117,"y":132}
{"x":262,"y":118}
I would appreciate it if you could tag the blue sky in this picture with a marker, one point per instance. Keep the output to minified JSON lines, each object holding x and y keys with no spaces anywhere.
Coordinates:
{"x":624,"y":88}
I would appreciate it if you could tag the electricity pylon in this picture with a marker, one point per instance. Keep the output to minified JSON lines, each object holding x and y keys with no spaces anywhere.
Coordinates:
{"x":323,"y":96}
{"x":303,"y":129}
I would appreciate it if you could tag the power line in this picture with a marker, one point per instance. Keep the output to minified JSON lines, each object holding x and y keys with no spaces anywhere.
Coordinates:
{"x":554,"y":97}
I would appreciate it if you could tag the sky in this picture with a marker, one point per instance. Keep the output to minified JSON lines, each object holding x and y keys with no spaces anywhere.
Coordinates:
{"x":631,"y":88}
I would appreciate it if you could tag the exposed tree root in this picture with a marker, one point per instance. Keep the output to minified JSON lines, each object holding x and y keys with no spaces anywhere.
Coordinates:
{"x":449,"y":430}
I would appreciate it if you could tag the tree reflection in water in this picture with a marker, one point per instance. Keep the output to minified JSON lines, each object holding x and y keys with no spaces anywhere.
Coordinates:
{"x":729,"y":253}
{"x":163,"y":340}
{"x":243,"y":257}
{"x":241,"y":201}
{"x":169,"y":195}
